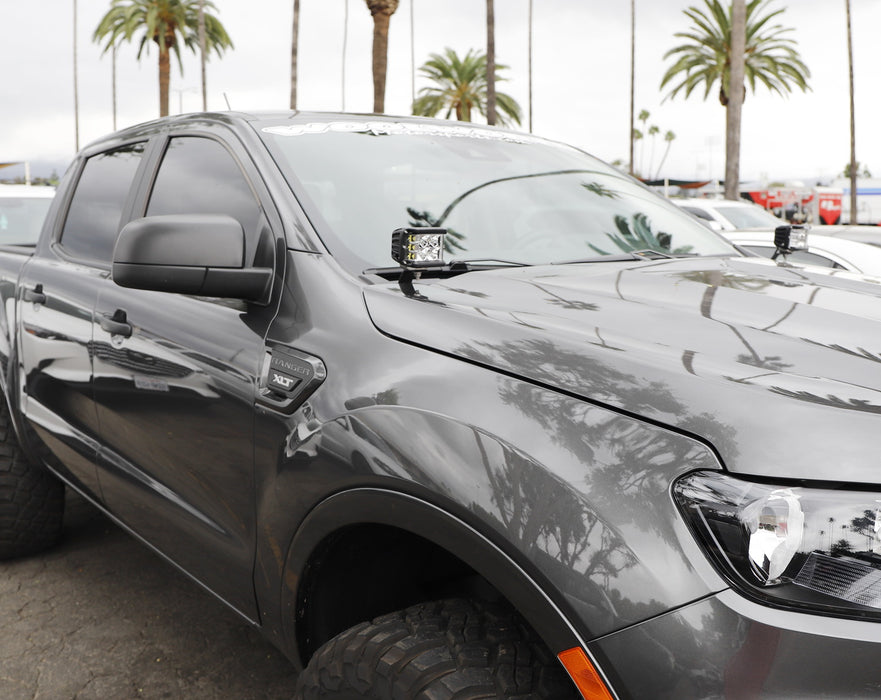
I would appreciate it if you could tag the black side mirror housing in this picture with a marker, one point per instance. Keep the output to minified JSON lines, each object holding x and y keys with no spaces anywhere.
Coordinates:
{"x":201,"y":254}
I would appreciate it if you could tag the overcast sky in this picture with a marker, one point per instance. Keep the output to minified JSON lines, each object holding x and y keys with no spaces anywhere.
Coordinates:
{"x":581,"y":77}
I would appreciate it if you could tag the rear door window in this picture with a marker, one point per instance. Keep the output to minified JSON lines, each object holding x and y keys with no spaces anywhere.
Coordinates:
{"x":95,"y":212}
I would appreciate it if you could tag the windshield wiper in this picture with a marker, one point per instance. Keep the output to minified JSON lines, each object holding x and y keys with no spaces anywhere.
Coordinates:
{"x":482,"y":264}
{"x":453,"y":267}
{"x":643,"y":254}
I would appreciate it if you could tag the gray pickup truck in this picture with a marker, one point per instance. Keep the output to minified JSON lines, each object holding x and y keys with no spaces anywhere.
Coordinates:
{"x":449,"y":411}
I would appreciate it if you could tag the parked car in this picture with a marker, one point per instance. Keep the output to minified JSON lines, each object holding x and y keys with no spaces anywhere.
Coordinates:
{"x":22,"y":211}
{"x":449,"y":411}
{"x":728,"y":214}
{"x":870,"y":235}
{"x":822,"y":250}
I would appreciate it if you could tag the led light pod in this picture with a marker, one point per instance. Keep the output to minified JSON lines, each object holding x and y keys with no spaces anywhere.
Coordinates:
{"x":415,"y":248}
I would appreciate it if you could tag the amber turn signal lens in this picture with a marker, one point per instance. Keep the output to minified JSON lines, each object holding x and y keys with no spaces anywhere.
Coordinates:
{"x":584,"y":674}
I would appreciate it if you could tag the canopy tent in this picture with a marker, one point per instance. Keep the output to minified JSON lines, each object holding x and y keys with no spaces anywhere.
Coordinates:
{"x":682,"y":184}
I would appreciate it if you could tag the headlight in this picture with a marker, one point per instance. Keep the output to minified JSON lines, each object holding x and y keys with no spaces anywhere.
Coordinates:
{"x":810,"y":548}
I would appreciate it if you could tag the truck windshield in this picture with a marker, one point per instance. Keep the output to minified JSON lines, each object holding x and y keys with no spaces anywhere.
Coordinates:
{"x":501,"y":196}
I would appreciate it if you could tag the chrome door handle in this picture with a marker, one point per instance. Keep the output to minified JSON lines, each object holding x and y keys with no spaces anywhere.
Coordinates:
{"x":34,"y":295}
{"x":117,"y":324}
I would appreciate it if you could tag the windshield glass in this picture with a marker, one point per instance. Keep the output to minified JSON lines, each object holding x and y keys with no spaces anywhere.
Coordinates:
{"x":749,"y":217}
{"x":501,"y":196}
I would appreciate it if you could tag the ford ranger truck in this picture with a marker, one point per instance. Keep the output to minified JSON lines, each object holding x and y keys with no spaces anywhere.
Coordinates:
{"x":449,"y":411}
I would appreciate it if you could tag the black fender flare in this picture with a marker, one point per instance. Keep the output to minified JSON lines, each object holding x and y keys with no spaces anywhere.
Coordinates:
{"x":386,"y":507}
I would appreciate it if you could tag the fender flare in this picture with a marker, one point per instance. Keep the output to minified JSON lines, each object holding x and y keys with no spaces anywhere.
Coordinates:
{"x":378,"y":506}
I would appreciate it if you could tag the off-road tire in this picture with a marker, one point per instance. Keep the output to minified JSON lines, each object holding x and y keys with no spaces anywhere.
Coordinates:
{"x":447,"y":649}
{"x":31,"y":498}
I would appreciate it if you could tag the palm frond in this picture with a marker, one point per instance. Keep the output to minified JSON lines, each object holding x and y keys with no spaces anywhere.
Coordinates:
{"x":459,"y":87}
{"x":703,"y":59}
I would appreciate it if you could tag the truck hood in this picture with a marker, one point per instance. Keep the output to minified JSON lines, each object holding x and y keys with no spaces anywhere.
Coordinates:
{"x":777,"y":368}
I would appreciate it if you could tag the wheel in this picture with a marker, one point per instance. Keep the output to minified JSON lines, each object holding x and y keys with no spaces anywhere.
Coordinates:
{"x":31,"y":498}
{"x":434,"y":651}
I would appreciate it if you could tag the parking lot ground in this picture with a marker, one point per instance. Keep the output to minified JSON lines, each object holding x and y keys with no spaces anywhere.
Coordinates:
{"x":101,"y":616}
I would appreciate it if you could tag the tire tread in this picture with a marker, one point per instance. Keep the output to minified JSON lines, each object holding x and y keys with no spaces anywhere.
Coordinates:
{"x":452,"y":649}
{"x":31,"y":498}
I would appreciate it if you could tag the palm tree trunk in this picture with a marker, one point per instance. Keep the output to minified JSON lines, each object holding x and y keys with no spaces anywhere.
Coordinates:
{"x":76,"y":92}
{"x":380,"y":59}
{"x":736,"y":91}
{"x":295,"y":42}
{"x":490,"y":63}
{"x":530,"y":66}
{"x":854,"y":215}
{"x":202,"y":57}
{"x":412,"y":59}
{"x":113,"y":87}
{"x":345,"y":46}
{"x":632,"y":76}
{"x":164,"y":81}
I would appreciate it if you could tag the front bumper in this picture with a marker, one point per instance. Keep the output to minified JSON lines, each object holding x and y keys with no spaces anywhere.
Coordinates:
{"x":728,"y":647}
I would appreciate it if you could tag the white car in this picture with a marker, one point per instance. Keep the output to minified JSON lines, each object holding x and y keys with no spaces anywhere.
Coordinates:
{"x":22,"y":211}
{"x":729,"y":214}
{"x":870,"y":235}
{"x":823,"y":251}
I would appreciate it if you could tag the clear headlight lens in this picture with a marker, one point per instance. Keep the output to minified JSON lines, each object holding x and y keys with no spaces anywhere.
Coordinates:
{"x":811,"y":548}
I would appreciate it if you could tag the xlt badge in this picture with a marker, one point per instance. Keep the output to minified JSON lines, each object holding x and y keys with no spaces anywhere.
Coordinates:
{"x":281,"y":382}
{"x":289,"y":377}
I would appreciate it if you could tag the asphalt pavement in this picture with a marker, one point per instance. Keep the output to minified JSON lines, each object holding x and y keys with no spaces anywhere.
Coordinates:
{"x":101,"y":616}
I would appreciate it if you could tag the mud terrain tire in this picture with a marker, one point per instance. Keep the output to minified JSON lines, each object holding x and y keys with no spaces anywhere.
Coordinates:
{"x":31,"y":498}
{"x":436,"y":651}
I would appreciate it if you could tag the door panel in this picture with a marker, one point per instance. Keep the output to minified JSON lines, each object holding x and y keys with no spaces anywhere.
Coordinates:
{"x":55,"y":313}
{"x":175,"y":383}
{"x":59,"y":288}
{"x":175,"y":401}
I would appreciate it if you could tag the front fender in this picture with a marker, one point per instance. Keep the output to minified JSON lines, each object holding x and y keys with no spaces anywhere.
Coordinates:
{"x":382,"y":507}
{"x":568,"y":499}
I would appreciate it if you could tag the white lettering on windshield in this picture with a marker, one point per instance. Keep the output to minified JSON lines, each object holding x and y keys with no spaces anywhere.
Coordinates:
{"x":383,"y":128}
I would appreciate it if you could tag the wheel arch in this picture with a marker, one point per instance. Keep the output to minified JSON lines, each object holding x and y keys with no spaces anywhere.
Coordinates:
{"x":352,"y":526}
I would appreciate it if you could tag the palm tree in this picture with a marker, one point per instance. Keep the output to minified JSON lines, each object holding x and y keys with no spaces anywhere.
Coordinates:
{"x":632,"y":77}
{"x":490,"y":63}
{"x":643,"y":117}
{"x":295,"y":44}
{"x":854,"y":218}
{"x":669,"y":137}
{"x":76,"y":91}
{"x":636,"y":135}
{"x":168,"y":23}
{"x":529,"y":43}
{"x":412,"y":56}
{"x":460,"y":87}
{"x":382,"y":11}
{"x":735,"y":99}
{"x":345,"y":44}
{"x":770,"y":57}
{"x":654,"y":130}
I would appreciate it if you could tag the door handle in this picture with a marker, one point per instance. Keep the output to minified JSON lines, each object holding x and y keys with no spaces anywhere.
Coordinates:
{"x":34,"y":295}
{"x":117,"y":324}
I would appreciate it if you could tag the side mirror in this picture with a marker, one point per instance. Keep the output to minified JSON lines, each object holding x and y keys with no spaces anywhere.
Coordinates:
{"x":198,"y":254}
